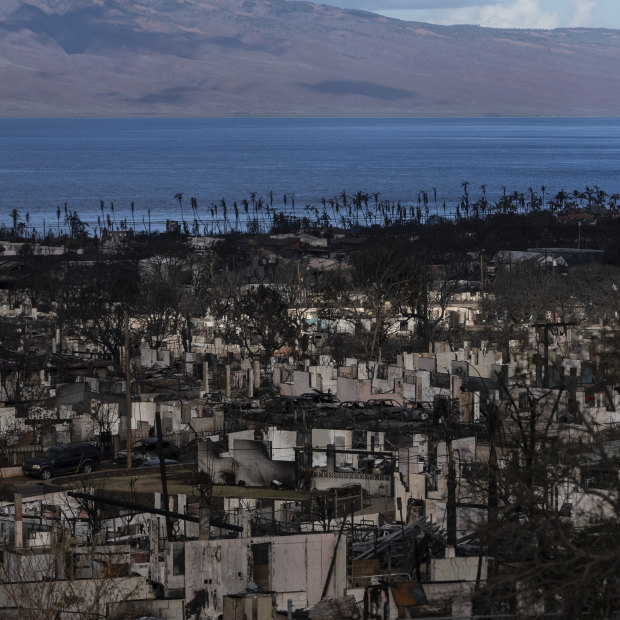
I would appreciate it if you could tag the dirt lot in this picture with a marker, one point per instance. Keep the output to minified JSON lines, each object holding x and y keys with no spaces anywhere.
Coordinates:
{"x":181,"y":479}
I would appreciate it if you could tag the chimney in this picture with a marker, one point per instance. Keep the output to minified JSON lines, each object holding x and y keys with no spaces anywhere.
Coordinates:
{"x":256,"y":364}
{"x":331,"y":458}
{"x":205,"y":522}
{"x":250,"y":381}
{"x":205,"y":376}
{"x":19,"y":529}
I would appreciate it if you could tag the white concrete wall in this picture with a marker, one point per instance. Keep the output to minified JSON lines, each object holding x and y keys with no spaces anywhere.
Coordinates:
{"x":353,"y":389}
{"x":457,"y":569}
{"x":232,"y":437}
{"x":409,"y":391}
{"x":143,"y":412}
{"x":282,"y":444}
{"x":9,"y":423}
{"x":173,"y":409}
{"x":322,"y":437}
{"x":301,"y":563}
{"x":379,"y":440}
{"x":240,"y":511}
{"x":423,"y":386}
{"x":298,"y":568}
{"x":148,"y":357}
{"x":107,"y":413}
{"x":298,"y":385}
{"x":322,"y":378}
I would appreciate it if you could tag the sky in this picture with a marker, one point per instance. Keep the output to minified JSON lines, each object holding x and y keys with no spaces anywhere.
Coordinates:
{"x":546,"y":14}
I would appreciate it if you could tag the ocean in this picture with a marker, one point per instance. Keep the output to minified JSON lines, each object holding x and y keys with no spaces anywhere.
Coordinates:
{"x":45,"y":163}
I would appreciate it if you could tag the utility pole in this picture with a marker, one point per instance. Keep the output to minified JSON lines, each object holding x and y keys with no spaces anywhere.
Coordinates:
{"x":492,"y":508}
{"x":162,"y":470}
{"x":482,"y":271}
{"x":451,"y":503}
{"x":548,"y":327}
{"x":448,"y":424}
{"x":128,"y":390}
{"x":333,"y":560}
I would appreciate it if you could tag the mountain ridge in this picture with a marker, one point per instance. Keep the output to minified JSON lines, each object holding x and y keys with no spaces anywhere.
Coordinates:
{"x":282,"y":58}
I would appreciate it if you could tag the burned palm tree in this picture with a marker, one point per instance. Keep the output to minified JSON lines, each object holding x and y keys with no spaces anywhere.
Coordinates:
{"x":113,"y":214}
{"x":465,"y":197}
{"x":179,"y":198}
{"x":224,"y":213}
{"x":77,"y":227}
{"x":246,"y":207}
{"x":335,"y":211}
{"x":15,"y":217}
{"x":260,"y":204}
{"x":194,"y":205}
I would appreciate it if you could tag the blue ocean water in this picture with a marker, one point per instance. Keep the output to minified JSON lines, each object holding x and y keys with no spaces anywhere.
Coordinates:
{"x":45,"y":163}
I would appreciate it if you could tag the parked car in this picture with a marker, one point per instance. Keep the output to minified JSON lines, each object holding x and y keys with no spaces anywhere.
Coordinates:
{"x":69,"y":459}
{"x":146,"y":449}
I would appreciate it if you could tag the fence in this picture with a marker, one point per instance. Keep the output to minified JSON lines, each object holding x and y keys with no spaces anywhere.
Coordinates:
{"x":350,"y":475}
{"x":15,"y":457}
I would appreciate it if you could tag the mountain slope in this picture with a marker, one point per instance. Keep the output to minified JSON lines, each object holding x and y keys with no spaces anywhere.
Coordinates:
{"x":275,"y":57}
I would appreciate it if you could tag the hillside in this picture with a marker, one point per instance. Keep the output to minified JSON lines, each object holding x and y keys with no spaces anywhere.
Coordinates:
{"x":276,"y":57}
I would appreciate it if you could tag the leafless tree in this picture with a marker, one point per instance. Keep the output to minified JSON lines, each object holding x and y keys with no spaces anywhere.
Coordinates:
{"x":292,"y":282}
{"x":383,"y":287}
{"x":552,"y":528}
{"x":42,"y":583}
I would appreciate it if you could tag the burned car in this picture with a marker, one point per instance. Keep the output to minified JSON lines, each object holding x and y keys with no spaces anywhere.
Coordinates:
{"x":145,"y":449}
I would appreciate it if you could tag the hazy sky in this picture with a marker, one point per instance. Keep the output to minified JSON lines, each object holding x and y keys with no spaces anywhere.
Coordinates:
{"x":496,"y":13}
